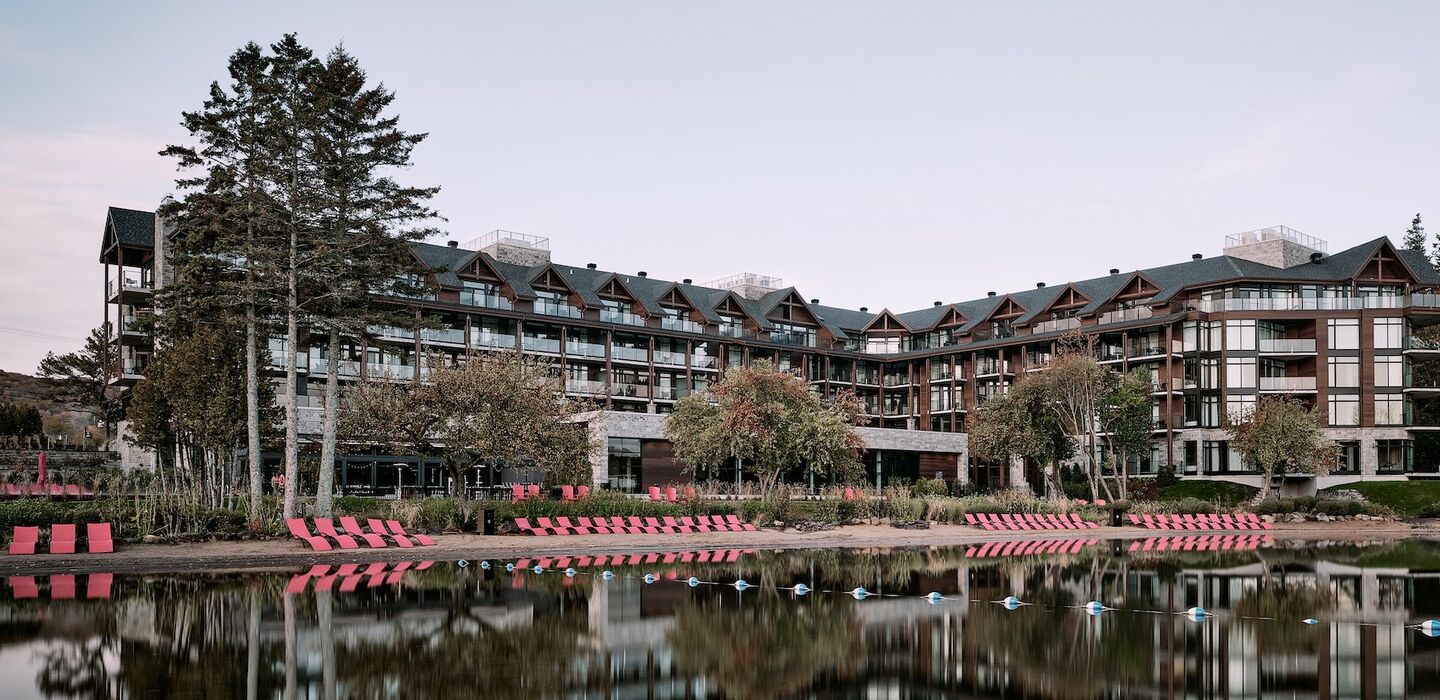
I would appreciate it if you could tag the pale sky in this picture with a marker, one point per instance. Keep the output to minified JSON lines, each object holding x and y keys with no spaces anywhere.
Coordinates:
{"x":880,"y":154}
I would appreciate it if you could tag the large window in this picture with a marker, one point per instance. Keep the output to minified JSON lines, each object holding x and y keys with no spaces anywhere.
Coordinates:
{"x":1240,"y":335}
{"x":1389,"y":333}
{"x":1344,"y":410}
{"x":624,"y":456}
{"x":1344,"y":334}
{"x":1389,"y":409}
{"x":1389,"y":371}
{"x":1344,"y":372}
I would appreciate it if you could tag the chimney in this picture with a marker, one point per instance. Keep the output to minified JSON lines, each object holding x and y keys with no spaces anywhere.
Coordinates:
{"x":1039,"y":285}
{"x":452,"y":244}
{"x":589,"y":266}
{"x":1114,"y":270}
{"x":989,"y":294}
{"x":641,"y":273}
{"x":687,"y":280}
{"x":1196,"y":256}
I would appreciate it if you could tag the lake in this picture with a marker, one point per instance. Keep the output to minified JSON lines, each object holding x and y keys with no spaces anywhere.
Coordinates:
{"x":1199,"y":617}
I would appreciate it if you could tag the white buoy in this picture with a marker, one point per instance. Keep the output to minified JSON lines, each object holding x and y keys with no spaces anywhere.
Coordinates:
{"x":1430,"y":628}
{"x":934,"y":597}
{"x":538,"y":569}
{"x":801,"y":589}
{"x":650,"y":578}
{"x":1310,"y":621}
{"x":1197,"y":614}
{"x":740,"y":584}
{"x":509,"y":567}
{"x":1094,"y":607}
{"x":607,"y":574}
{"x":569,"y":573}
{"x":462,"y":563}
{"x":1011,"y":602}
{"x":485,"y":564}
{"x":859,"y":593}
{"x":692,"y":581}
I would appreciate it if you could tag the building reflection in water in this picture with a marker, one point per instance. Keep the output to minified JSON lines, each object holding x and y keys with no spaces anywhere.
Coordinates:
{"x":466,"y":632}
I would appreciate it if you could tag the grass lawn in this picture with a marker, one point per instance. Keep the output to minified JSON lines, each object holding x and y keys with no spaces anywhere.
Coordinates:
{"x":1403,"y":497}
{"x":1206,"y":490}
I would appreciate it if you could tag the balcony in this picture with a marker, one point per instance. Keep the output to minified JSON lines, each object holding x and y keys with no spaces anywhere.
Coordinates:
{"x":1122,"y":315}
{"x":1287,"y":385}
{"x":681,"y":324}
{"x":626,"y":353}
{"x":585,"y":387}
{"x":1056,"y":324}
{"x":493,"y":341}
{"x":577,"y":348}
{"x":623,"y":318}
{"x":1287,"y":346}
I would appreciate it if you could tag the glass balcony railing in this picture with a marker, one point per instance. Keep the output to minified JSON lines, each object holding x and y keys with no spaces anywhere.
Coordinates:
{"x":1287,"y":384}
{"x":1287,"y":345}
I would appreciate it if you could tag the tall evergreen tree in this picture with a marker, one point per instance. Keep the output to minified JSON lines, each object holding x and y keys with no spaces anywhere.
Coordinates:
{"x":222,"y":246}
{"x":1415,"y":235}
{"x":365,"y":224}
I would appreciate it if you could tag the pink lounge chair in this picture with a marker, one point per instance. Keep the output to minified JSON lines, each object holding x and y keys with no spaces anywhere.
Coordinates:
{"x":98,"y":585}
{"x":326,"y":527}
{"x":419,"y":538}
{"x":736,"y":524}
{"x":582,"y":491}
{"x":352,"y":528}
{"x":25,"y":539}
{"x":654,"y":493}
{"x":567,"y":493}
{"x":526,"y":527}
{"x":62,"y":586}
{"x":532,"y":491}
{"x":517,"y":493}
{"x":299,"y":531}
{"x":62,"y":538}
{"x":671,"y":494}
{"x":98,"y":539}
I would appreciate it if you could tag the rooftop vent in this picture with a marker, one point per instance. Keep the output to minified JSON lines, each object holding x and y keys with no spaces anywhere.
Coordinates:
{"x":748,"y":284}
{"x":1114,"y":270}
{"x":514,"y":248}
{"x":452,"y":244}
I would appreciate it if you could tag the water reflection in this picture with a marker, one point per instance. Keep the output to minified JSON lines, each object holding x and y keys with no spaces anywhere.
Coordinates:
{"x":450,"y":631}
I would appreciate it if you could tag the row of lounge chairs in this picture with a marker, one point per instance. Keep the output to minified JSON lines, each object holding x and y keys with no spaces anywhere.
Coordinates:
{"x":1201,"y":521}
{"x":75,"y":491}
{"x":1028,"y":521}
{"x":1201,"y":543}
{"x":633,"y":525}
{"x":1020,"y":548}
{"x":62,"y":539}
{"x":351,"y":575}
{"x":380,"y":535}
{"x":62,"y":586}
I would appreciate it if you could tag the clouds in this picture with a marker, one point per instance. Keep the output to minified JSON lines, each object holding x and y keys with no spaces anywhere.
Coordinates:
{"x":54,"y":188}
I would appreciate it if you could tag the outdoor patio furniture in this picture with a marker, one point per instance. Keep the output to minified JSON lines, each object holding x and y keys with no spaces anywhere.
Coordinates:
{"x":326,"y":527}
{"x":98,"y":539}
{"x":24,"y":539}
{"x":352,"y":528}
{"x":299,"y":531}
{"x":62,"y":538}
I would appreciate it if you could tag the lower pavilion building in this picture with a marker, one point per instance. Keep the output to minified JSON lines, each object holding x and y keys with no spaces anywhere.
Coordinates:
{"x":1276,"y":314}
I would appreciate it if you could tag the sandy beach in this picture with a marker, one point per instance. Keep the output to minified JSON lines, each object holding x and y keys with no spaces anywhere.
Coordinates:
{"x":279,"y":554}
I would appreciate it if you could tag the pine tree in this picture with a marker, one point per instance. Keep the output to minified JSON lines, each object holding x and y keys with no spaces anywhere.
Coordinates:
{"x":1415,"y":235}
{"x":221,"y":249}
{"x":364,"y":227}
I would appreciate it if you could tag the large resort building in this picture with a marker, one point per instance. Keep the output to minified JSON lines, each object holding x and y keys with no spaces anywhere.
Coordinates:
{"x":1276,"y":313}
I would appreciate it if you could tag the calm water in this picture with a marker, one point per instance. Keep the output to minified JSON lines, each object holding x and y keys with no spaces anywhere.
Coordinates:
{"x":452,"y":631}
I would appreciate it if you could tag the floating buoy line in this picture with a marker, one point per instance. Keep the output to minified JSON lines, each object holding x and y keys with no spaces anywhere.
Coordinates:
{"x":1094,"y":608}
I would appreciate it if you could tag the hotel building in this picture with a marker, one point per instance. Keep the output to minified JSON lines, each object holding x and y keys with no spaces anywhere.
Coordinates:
{"x":1275,"y":313}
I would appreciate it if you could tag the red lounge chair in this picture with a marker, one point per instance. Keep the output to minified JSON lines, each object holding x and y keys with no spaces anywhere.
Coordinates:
{"x":652,"y":522}
{"x":577,"y":529}
{"x":419,"y":538}
{"x":98,"y":585}
{"x":552,"y":527}
{"x":98,"y":539}
{"x":676,"y":526}
{"x":567,"y":493}
{"x":62,"y":586}
{"x":62,"y":538}
{"x":299,"y":531}
{"x":671,"y":494}
{"x":654,"y":493}
{"x":517,"y":493}
{"x":735,"y":524}
{"x":23,"y":539}
{"x":635,"y":524}
{"x":352,"y":528}
{"x":325,"y":527}
{"x":533,"y":491}
{"x":525,"y":526}
{"x":24,"y":587}
{"x":378,"y":527}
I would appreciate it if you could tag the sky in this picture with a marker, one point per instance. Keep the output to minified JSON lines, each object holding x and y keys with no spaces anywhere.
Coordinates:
{"x":880,"y":154}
